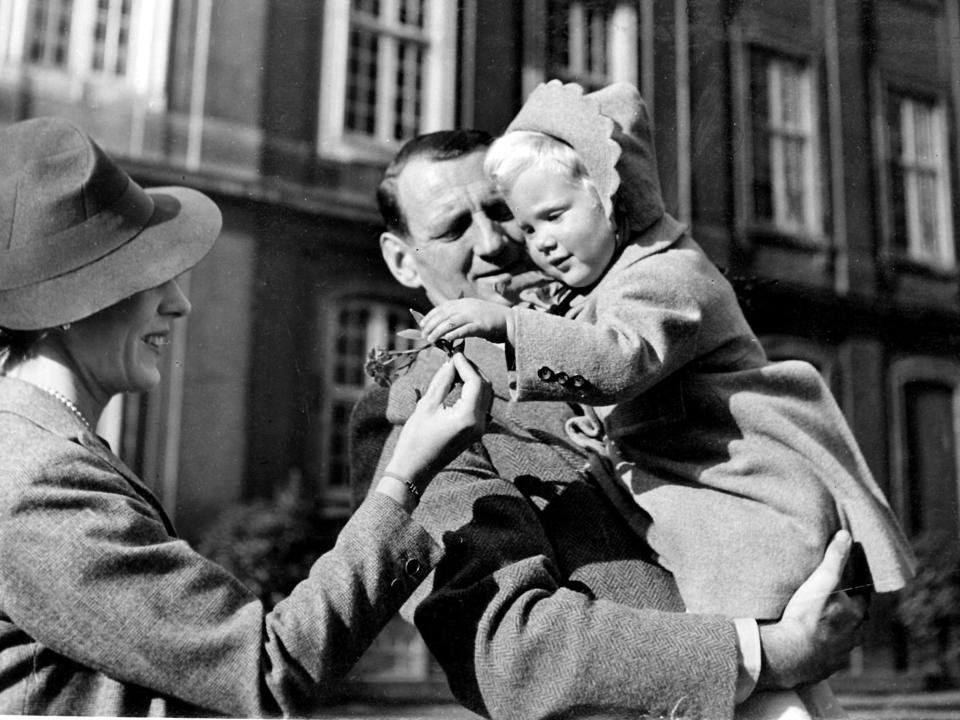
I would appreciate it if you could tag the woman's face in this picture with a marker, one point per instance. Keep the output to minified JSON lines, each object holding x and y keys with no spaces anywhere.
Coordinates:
{"x":119,"y":349}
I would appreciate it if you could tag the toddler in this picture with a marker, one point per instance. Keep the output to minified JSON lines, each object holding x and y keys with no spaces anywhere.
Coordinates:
{"x":743,"y":468}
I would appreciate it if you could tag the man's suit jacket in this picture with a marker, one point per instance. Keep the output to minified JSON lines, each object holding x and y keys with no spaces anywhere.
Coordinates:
{"x":103,"y":611}
{"x":544,"y":604}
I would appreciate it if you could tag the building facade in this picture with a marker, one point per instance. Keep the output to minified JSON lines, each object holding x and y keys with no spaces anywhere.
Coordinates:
{"x":812,"y":146}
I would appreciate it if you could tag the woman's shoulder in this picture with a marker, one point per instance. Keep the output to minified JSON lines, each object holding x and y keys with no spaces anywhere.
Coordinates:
{"x":34,"y":459}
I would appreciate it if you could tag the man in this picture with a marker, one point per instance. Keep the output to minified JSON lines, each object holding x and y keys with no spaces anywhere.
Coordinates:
{"x":545,"y":604}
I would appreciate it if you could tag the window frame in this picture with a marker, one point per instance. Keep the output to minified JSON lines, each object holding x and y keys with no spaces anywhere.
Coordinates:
{"x":816,"y":236}
{"x":438,"y":98}
{"x":632,"y":21}
{"x":887,"y":86}
{"x":903,"y":371}
{"x":145,"y":73}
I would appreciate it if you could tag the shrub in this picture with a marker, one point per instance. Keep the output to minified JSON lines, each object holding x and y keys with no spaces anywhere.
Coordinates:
{"x":929,"y":609}
{"x":269,"y":544}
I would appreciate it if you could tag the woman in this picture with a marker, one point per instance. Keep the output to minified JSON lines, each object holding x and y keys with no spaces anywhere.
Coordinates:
{"x":102,"y":609}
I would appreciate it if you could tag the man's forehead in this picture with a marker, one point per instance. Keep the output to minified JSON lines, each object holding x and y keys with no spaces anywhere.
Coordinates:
{"x":441,"y":186}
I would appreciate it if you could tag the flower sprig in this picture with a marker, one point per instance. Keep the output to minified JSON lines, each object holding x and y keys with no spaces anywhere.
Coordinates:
{"x":384,"y":365}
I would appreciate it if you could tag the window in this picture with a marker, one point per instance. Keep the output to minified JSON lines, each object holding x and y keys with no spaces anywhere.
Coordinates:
{"x":925,"y":443}
{"x":590,"y":42}
{"x":105,"y":40}
{"x":919,"y":180}
{"x":783,"y":116}
{"x":356,"y":325}
{"x":388,"y":72}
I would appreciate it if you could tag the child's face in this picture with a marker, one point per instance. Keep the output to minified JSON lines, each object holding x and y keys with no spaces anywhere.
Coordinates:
{"x":568,"y":234}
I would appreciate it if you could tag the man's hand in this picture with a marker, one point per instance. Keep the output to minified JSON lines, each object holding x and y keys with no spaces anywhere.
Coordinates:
{"x":819,"y":627}
{"x":468,"y":317}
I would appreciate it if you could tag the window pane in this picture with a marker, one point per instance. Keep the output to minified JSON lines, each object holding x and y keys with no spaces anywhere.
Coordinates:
{"x":784,"y":181}
{"x":370,"y":7}
{"x":794,"y":156}
{"x":339,"y":450}
{"x":351,"y":346}
{"x":558,"y":37}
{"x":792,"y":95}
{"x":577,"y":43}
{"x":898,"y":201}
{"x":931,"y":456}
{"x":407,"y":110}
{"x":919,"y":176}
{"x":927,"y":188}
{"x":49,"y":32}
{"x":412,"y":12}
{"x":388,"y":50}
{"x":925,"y":133}
{"x":760,"y":117}
{"x":362,"y":82}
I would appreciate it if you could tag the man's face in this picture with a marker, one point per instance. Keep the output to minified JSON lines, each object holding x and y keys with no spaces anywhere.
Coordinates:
{"x":461,"y":236}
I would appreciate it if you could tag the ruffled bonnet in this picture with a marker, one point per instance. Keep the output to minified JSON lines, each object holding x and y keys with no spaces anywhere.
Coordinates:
{"x":611,"y":131}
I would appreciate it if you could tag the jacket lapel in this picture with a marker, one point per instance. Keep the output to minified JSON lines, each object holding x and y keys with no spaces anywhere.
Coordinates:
{"x":39,"y":407}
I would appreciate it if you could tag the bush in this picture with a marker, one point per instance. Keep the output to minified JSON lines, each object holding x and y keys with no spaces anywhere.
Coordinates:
{"x":929,"y":609}
{"x":270,"y":544}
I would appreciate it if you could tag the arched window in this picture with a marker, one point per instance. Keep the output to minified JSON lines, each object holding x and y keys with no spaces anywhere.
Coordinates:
{"x":924,"y":442}
{"x":356,"y":324}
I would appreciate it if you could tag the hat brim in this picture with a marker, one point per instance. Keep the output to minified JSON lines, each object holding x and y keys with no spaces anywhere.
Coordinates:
{"x":181,"y":231}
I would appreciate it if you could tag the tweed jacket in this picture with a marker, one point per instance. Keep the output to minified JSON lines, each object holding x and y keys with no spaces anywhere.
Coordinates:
{"x":745,"y":467}
{"x":544,"y":604}
{"x":103,"y":611}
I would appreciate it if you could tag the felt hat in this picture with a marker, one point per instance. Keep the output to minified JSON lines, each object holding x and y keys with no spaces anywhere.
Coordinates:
{"x":77,"y":234}
{"x":612,"y":133}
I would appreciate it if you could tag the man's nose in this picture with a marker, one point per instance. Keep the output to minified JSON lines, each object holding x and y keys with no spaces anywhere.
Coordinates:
{"x":491,"y":238}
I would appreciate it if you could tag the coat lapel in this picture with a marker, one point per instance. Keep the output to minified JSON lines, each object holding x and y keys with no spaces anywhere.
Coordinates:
{"x":29,"y":401}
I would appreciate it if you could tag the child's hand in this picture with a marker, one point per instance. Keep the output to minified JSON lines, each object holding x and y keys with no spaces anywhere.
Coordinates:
{"x":468,"y":317}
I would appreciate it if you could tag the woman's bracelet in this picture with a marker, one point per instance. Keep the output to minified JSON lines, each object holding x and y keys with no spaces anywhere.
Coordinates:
{"x":406,"y":482}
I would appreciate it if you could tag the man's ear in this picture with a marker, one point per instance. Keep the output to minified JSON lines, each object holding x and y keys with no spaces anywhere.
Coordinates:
{"x":399,"y":256}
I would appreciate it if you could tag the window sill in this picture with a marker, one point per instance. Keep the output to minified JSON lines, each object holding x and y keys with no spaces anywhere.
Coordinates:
{"x":358,"y":149}
{"x":905,"y":265}
{"x":769,"y":234}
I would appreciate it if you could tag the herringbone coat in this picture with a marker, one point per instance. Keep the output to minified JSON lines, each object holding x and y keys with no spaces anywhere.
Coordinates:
{"x":544,"y":604}
{"x":103,"y":611}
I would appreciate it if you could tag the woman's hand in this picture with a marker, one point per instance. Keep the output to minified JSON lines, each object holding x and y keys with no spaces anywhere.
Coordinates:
{"x":436,"y":433}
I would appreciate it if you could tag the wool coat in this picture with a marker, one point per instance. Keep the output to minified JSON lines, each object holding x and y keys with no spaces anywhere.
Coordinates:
{"x":104,"y":611}
{"x":545,"y":603}
{"x":745,"y":468}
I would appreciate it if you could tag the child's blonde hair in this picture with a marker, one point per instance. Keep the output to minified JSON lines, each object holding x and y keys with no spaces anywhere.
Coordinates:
{"x":519,"y":150}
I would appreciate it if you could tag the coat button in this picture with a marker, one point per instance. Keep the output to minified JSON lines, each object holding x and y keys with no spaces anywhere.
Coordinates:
{"x":397,"y":585}
{"x":563,"y":379}
{"x":578,"y":381}
{"x":545,"y":374}
{"x":413,"y":567}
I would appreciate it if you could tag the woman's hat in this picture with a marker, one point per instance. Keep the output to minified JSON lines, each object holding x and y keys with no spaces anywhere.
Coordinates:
{"x":78,"y":235}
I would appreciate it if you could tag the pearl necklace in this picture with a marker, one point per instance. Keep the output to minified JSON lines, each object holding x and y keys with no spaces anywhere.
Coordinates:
{"x":69,"y":403}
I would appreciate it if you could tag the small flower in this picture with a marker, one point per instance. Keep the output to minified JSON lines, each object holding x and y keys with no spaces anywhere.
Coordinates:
{"x":384,"y":366}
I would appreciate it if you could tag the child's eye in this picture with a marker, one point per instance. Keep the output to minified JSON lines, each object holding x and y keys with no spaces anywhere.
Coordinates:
{"x":555,"y":215}
{"x":526,"y":229}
